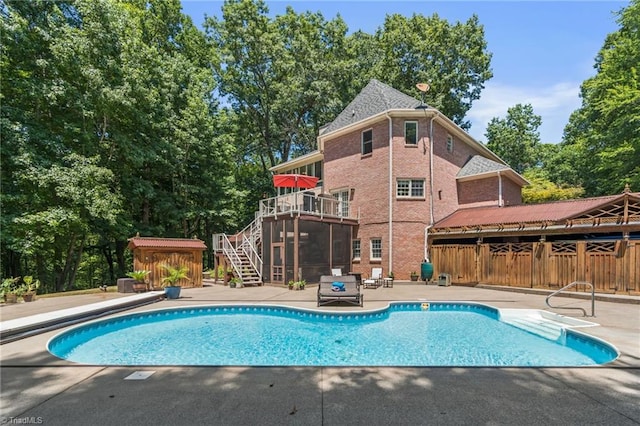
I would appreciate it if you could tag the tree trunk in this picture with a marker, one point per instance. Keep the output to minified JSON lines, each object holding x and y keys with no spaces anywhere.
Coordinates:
{"x":62,"y":279}
{"x":76,"y":263}
{"x":120,"y":247}
{"x":108,"y":256}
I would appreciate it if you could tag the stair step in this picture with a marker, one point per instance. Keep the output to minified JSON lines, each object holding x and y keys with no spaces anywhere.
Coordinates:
{"x":545,"y":328}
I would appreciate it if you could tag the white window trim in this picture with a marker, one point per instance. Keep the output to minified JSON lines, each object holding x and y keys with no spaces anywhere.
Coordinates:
{"x":362,"y":141}
{"x":353,"y":256}
{"x":411,"y":180}
{"x":405,"y":133}
{"x":371,"y":257}
{"x":343,"y":202}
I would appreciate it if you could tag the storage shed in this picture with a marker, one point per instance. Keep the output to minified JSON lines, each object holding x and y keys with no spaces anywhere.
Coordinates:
{"x":152,"y":253}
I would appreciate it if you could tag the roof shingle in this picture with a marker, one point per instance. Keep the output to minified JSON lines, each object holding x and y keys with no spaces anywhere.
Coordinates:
{"x":375,"y":98}
{"x":479,"y":165}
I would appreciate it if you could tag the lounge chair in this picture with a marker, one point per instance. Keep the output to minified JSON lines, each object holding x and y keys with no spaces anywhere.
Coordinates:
{"x":330,"y":291}
{"x":375,"y":280}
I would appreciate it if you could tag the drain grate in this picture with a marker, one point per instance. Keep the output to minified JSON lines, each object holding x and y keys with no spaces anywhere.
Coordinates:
{"x":139,"y":375}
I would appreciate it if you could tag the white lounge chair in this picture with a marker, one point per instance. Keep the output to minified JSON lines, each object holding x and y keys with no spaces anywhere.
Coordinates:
{"x":375,"y":280}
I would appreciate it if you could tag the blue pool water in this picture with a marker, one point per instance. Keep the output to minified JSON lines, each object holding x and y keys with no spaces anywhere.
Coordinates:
{"x":407,"y":334}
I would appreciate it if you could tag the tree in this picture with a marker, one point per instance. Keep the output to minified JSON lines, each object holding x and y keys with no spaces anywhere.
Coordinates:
{"x":281,"y":76}
{"x":452,"y":58}
{"x":515,"y":138}
{"x":542,"y":190}
{"x":605,"y":130}
{"x":108,"y":127}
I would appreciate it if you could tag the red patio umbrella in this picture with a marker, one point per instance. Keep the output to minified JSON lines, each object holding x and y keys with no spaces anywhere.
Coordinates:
{"x":294,"y":181}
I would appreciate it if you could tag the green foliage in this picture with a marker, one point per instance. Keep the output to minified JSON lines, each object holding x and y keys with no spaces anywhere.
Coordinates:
{"x":139,"y":276}
{"x":108,"y":127}
{"x":604,"y":131}
{"x":8,"y":285}
{"x":452,"y":58}
{"x":515,"y":138}
{"x":541,"y":189}
{"x":31,"y":286}
{"x":174,"y":275}
{"x":281,"y":75}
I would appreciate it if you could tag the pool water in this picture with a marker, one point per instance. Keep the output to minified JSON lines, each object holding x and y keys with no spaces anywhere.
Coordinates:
{"x":411,"y":334}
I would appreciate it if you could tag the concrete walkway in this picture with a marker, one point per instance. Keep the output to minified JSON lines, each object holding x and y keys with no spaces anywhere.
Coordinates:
{"x":39,"y":388}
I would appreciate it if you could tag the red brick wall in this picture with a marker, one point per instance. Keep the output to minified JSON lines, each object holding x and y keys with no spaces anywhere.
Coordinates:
{"x":368,"y":177}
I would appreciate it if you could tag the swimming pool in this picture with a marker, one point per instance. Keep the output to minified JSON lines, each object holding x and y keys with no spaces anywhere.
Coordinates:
{"x":403,"y":334}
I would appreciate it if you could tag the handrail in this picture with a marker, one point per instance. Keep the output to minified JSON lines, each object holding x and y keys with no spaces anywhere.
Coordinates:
{"x":573,"y":284}
{"x":308,"y":204}
{"x":254,"y":258}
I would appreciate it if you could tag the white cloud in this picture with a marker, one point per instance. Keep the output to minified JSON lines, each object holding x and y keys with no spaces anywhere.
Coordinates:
{"x":554,"y":104}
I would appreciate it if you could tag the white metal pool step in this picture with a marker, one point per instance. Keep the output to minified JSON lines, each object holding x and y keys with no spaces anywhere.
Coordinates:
{"x":546,"y":324}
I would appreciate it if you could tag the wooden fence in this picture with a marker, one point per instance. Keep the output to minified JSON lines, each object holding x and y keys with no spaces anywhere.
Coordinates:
{"x":611,"y":266}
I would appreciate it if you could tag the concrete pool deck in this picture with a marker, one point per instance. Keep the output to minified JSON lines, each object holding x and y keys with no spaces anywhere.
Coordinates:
{"x":38,"y":388}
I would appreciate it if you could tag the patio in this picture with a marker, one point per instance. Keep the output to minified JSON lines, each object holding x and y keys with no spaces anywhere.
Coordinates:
{"x":43,"y":389}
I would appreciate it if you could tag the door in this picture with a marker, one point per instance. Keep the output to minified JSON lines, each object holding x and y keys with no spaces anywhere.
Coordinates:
{"x":277,"y":263}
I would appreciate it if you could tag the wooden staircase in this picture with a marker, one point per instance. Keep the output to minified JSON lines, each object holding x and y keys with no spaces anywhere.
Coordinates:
{"x":244,"y":253}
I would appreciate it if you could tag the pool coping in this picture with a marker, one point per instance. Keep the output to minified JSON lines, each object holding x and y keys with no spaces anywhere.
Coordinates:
{"x":19,"y":328}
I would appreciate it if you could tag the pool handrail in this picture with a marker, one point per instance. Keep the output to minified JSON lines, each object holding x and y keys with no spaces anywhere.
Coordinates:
{"x":573,"y":284}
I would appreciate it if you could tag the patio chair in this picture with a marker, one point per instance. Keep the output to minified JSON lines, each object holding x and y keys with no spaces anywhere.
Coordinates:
{"x":339,"y":289}
{"x":375,"y":280}
{"x":336,"y":272}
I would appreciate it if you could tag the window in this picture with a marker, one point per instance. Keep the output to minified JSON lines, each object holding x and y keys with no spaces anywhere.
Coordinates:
{"x":343,"y":202}
{"x":367,"y":142}
{"x":410,"y":188}
{"x":355,"y":249}
{"x":411,"y":132}
{"x":449,"y":143}
{"x":376,"y":249}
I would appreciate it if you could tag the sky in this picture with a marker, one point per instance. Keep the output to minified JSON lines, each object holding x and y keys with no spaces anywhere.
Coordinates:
{"x":542,"y":50}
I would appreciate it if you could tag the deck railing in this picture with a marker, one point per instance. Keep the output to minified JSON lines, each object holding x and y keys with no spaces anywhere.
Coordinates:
{"x":298,"y":203}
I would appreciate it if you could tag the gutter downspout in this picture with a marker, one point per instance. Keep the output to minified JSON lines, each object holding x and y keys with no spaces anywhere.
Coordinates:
{"x":500,"y":199}
{"x":431,"y":214}
{"x":391,"y":186}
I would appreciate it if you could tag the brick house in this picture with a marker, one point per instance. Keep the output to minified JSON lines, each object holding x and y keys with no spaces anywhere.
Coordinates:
{"x":404,"y":166}
{"x":393,"y":167}
{"x":399,"y":182}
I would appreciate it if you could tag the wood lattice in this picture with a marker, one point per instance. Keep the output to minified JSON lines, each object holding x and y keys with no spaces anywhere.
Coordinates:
{"x":499,"y":248}
{"x":521,"y":248}
{"x":628,"y":208}
{"x":601,"y":247}
{"x":560,"y":247}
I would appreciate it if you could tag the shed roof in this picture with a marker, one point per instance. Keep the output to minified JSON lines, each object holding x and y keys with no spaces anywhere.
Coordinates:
{"x":375,"y":98}
{"x":554,"y":212}
{"x":175,"y":243}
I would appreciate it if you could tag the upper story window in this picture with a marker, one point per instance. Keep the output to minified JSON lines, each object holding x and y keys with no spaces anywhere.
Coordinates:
{"x":343,"y":202}
{"x":410,"y":188}
{"x":367,"y":142}
{"x":411,"y":132}
{"x":355,"y":249}
{"x":449,"y":143}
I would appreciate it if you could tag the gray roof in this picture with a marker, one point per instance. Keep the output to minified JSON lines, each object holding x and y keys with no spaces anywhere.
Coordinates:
{"x":478,"y":165}
{"x":375,"y":98}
